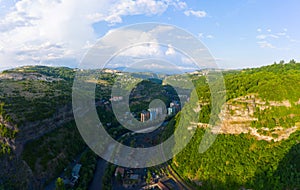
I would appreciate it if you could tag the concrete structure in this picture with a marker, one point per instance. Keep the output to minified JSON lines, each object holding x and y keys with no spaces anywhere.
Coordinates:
{"x":145,"y":115}
{"x":152,"y":114}
{"x":171,"y":111}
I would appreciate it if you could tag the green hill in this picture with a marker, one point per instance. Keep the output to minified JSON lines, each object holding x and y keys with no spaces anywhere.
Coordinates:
{"x":257,"y":146}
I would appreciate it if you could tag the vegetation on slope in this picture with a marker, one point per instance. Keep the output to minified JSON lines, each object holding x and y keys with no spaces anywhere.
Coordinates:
{"x":236,"y":161}
{"x":50,"y":154}
{"x":277,"y":82}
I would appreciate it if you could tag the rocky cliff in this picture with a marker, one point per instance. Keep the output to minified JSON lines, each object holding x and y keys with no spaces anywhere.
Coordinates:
{"x":237,"y":116}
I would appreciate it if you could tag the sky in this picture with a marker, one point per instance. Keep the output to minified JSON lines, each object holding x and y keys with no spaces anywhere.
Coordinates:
{"x":237,"y":33}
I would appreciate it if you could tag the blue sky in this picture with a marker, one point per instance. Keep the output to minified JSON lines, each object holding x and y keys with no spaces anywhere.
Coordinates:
{"x":238,"y":33}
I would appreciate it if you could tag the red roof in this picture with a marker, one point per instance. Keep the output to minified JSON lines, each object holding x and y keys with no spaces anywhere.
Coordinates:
{"x":162,"y":186}
{"x":120,"y":170}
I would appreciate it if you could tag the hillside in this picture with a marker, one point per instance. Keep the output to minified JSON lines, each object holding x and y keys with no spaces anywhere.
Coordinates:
{"x":38,"y":135}
{"x":258,"y":132}
{"x":34,"y":101}
{"x":258,"y":127}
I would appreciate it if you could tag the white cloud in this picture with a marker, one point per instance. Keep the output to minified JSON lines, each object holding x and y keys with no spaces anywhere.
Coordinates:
{"x":259,"y":30}
{"x":267,"y":39}
{"x":65,"y":26}
{"x":265,"y":44}
{"x":263,"y":36}
{"x":186,"y":60}
{"x":199,"y":14}
{"x":122,"y":8}
{"x":181,"y":5}
{"x":210,"y":36}
{"x":170,"y":50}
{"x":201,"y":35}
{"x":281,"y":34}
{"x":144,"y":50}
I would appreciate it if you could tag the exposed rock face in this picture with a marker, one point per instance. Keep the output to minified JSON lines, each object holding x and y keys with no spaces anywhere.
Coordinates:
{"x":37,"y":129}
{"x":27,"y":76}
{"x":13,"y":168}
{"x":236,"y":117}
{"x":6,"y":140}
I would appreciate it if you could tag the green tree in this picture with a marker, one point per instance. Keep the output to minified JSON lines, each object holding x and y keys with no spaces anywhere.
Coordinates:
{"x":149,"y":177}
{"x":59,"y":184}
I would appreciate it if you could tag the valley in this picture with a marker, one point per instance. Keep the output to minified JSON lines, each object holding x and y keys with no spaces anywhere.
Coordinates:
{"x":257,"y":144}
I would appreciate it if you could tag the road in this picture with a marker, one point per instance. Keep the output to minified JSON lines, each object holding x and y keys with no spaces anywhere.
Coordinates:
{"x":178,"y":180}
{"x":96,"y":183}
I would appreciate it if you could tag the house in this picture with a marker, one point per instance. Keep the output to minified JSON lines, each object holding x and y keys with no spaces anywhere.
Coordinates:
{"x":75,"y":174}
{"x":134,"y":177}
{"x":76,"y":170}
{"x":120,"y":171}
{"x":152,"y":114}
{"x":171,"y":111}
{"x":162,"y":186}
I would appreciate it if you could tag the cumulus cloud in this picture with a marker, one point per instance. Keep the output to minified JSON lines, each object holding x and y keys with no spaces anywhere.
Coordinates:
{"x":170,"y":50}
{"x":32,"y":31}
{"x":130,"y":7}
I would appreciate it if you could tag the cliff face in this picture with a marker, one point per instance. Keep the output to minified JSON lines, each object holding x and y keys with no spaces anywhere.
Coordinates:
{"x":13,"y":168}
{"x":237,"y":115}
{"x":17,"y":173}
{"x":27,"y":76}
{"x":37,"y":129}
{"x":4,"y":139}
{"x":21,"y":93}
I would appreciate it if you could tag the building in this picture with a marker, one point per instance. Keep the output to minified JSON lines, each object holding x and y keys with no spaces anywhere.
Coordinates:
{"x":76,"y":170}
{"x":120,"y":171}
{"x":153,"y":114}
{"x":158,"y":185}
{"x":116,"y":99}
{"x":171,"y":111}
{"x":75,"y":174}
{"x":134,"y":177}
{"x":174,"y":108}
{"x":162,"y":186}
{"x":145,"y":115}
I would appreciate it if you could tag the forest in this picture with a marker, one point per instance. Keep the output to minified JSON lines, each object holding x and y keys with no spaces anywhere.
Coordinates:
{"x":242,"y":161}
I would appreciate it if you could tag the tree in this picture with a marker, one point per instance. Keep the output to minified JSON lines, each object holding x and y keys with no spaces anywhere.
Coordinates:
{"x":292,"y":61}
{"x":149,"y":177}
{"x":119,"y":177}
{"x":59,"y":184}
